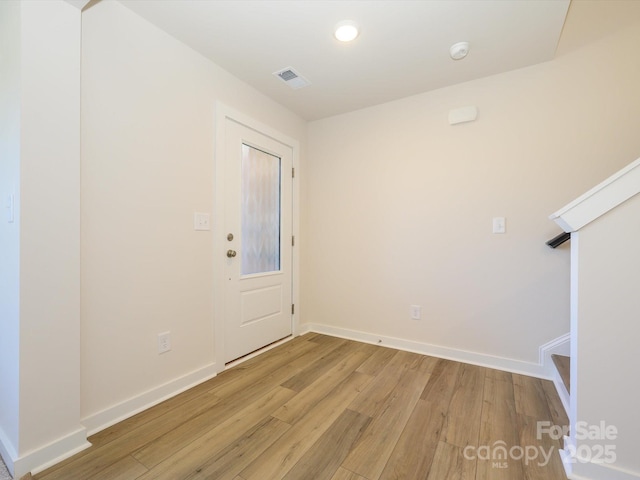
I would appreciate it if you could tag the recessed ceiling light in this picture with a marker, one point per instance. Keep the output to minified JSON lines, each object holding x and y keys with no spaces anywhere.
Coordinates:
{"x":459,"y":50}
{"x":346,"y":31}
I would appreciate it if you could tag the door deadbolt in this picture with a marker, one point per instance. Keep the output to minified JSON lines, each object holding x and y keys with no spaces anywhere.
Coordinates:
{"x":230,"y":237}
{"x":231,"y":253}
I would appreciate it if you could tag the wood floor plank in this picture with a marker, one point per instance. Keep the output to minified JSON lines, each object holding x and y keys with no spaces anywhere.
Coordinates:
{"x":442,"y":381}
{"x":416,"y":447}
{"x":124,"y":469}
{"x":323,"y":459}
{"x":326,"y":339}
{"x":530,"y":397}
{"x":290,"y":348}
{"x":429,"y":363}
{"x":280,"y":457}
{"x":375,"y":395}
{"x":542,"y":457}
{"x":293,"y":358}
{"x":226,"y":464}
{"x":318,"y":368}
{"x":253,"y":384}
{"x":461,"y":427}
{"x":371,"y":454}
{"x":311,"y":336}
{"x":115,"y":431}
{"x":558,"y":414}
{"x":344,"y":474}
{"x":306,"y":400}
{"x":498,"y":428}
{"x":498,"y":375}
{"x":263,"y":364}
{"x":157,"y":450}
{"x":379,"y":359}
{"x":450,"y":463}
{"x":180,"y":461}
{"x":563,"y":365}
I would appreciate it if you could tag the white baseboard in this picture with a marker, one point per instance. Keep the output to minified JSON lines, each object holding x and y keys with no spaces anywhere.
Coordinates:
{"x":563,"y":393}
{"x":600,"y":471}
{"x":304,"y":329}
{"x":52,"y":453}
{"x":7,"y":451}
{"x":121,"y":411}
{"x":568,"y":446}
{"x":481,"y":359}
{"x":557,"y":346}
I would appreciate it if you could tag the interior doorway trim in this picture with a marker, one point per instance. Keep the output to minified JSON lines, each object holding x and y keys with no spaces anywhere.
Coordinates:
{"x":222,"y":113}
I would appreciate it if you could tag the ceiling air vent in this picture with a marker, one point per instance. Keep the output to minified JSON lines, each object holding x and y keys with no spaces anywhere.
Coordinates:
{"x":292,"y":78}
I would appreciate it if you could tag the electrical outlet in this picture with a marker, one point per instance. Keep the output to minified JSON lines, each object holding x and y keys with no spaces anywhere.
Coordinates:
{"x":416,"y":312}
{"x":164,"y":342}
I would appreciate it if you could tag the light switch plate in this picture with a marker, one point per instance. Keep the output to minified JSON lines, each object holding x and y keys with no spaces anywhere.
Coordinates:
{"x":9,"y":204}
{"x":499,"y":225}
{"x":201,"y":221}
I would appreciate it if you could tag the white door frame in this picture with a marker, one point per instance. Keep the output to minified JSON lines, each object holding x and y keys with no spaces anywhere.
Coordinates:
{"x":221,"y":114}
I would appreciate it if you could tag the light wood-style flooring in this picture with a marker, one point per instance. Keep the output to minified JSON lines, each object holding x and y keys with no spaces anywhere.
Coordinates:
{"x":563,"y":365}
{"x":319,"y":407}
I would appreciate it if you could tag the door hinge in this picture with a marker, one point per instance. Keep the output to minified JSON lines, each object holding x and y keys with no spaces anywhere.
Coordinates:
{"x":293,"y":309}
{"x":293,"y":172}
{"x":293,"y":240}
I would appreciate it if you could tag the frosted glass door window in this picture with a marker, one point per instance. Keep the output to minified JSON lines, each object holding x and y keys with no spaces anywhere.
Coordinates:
{"x":260,"y":211}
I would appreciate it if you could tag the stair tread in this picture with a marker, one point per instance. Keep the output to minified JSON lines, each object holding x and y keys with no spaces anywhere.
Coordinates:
{"x":563,"y":364}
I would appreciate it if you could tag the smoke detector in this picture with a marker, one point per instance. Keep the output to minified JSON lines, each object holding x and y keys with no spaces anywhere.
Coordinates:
{"x":292,"y":78}
{"x":459,"y":50}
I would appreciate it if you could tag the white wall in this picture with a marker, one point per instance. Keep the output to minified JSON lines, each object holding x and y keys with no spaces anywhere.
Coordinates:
{"x":607,"y":334}
{"x":50,"y":226}
{"x":147,"y":166}
{"x":400,"y":203}
{"x":41,"y":160}
{"x":9,"y":232}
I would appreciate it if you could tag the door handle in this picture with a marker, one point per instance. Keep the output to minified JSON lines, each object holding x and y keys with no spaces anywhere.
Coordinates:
{"x":231,"y":253}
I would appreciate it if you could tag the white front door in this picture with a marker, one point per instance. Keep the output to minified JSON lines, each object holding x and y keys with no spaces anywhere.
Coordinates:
{"x":258,"y":238}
